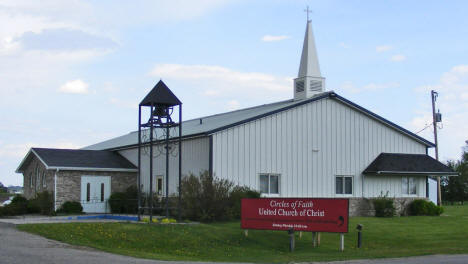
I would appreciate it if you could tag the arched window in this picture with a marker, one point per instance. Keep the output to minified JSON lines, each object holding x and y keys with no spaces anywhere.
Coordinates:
{"x":44,"y":180}
{"x":38,"y":177}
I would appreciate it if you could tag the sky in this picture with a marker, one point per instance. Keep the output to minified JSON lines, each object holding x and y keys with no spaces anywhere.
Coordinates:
{"x":73,"y":72}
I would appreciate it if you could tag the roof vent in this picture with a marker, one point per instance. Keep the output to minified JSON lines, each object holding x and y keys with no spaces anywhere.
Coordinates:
{"x":201,"y":121}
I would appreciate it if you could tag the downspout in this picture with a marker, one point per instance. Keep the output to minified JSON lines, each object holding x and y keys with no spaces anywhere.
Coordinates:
{"x":210,"y":158}
{"x":55,"y":189}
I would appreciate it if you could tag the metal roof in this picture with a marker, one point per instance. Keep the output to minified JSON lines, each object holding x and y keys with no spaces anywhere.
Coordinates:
{"x":409,"y":164}
{"x":74,"y":159}
{"x":207,"y":125}
{"x":160,"y":94}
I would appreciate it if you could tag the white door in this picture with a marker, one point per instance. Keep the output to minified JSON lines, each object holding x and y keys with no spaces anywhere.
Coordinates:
{"x":95,"y":191}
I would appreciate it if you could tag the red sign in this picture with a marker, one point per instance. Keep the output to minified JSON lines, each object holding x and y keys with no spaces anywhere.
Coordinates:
{"x":300,"y":214}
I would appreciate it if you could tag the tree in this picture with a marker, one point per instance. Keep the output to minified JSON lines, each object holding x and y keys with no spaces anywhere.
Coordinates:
{"x":3,"y":189}
{"x":455,"y":188}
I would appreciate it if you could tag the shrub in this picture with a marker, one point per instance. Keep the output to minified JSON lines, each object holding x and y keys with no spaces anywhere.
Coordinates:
{"x":71,"y":207}
{"x":236,"y":196}
{"x":383,"y":206}
{"x":168,"y":221}
{"x":124,"y":202}
{"x":42,"y":204}
{"x":33,"y":207}
{"x":18,"y":206}
{"x":206,"y":198}
{"x":424,"y":207}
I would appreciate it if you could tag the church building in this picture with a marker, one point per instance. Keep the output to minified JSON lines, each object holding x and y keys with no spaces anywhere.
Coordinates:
{"x":316,"y":144}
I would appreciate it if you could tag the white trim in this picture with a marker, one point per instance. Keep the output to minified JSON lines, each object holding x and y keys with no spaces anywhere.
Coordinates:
{"x":31,"y":150}
{"x":269,"y":194}
{"x":92,"y":169}
{"x":69,"y":168}
{"x":344,"y":185}
{"x":408,"y":194}
{"x":55,"y":190}
{"x":416,"y":173}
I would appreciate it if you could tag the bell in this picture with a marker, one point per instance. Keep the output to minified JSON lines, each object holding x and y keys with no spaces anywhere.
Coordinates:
{"x":162,"y":114}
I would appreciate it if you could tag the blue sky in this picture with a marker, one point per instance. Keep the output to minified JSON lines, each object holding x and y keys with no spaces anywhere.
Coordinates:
{"x":73,"y":72}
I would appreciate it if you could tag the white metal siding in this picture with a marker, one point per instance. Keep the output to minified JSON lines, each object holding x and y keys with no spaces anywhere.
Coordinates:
{"x":309,"y":145}
{"x":379,"y":185}
{"x":195,"y":159}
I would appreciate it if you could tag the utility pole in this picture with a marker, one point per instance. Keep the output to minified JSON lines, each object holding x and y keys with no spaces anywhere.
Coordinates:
{"x":436,"y":118}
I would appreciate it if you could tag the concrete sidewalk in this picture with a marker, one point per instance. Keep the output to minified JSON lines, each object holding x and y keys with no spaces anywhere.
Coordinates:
{"x":40,"y":219}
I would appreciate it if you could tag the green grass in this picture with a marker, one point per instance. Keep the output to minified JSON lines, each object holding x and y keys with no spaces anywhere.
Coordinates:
{"x":382,"y":237}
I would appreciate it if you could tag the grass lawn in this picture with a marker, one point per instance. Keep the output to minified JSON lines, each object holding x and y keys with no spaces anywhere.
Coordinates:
{"x":382,"y":237}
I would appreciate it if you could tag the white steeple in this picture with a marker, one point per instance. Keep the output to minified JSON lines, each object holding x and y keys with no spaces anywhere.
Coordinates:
{"x":309,"y":80}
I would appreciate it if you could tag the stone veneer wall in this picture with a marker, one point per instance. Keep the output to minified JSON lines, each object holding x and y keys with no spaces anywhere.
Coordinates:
{"x":30,"y":191}
{"x":69,"y":183}
{"x":365,"y":207}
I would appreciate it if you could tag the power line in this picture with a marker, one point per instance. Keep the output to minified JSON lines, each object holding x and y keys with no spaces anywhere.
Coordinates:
{"x":426,"y":127}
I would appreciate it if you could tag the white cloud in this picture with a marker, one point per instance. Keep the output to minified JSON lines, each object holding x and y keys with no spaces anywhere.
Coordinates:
{"x":19,"y":150}
{"x":270,"y":38}
{"x":34,"y":63}
{"x":371,"y":87}
{"x":224,"y":78}
{"x":398,"y":57}
{"x":453,"y":104}
{"x":217,"y":85}
{"x":383,"y":48}
{"x":74,"y":87}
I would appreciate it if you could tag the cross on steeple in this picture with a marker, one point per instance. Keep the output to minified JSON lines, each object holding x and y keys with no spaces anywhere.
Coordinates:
{"x":308,"y":11}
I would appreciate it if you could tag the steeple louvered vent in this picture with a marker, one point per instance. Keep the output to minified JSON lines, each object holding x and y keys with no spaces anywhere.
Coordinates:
{"x":300,"y":86}
{"x":309,"y":80}
{"x":315,"y":85}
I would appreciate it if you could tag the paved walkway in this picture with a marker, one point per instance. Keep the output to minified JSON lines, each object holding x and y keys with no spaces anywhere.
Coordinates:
{"x":40,"y":219}
{"x":18,"y":247}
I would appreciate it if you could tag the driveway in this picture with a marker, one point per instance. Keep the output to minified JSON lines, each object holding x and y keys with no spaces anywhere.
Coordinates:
{"x":18,"y":247}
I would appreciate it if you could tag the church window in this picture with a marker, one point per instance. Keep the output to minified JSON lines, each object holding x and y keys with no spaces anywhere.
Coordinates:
{"x":269,"y":183}
{"x":159,"y":184}
{"x":44,"y":182}
{"x":38,"y":177}
{"x":344,"y":184}
{"x":88,"y":192}
{"x":408,"y":185}
{"x":102,"y":192}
